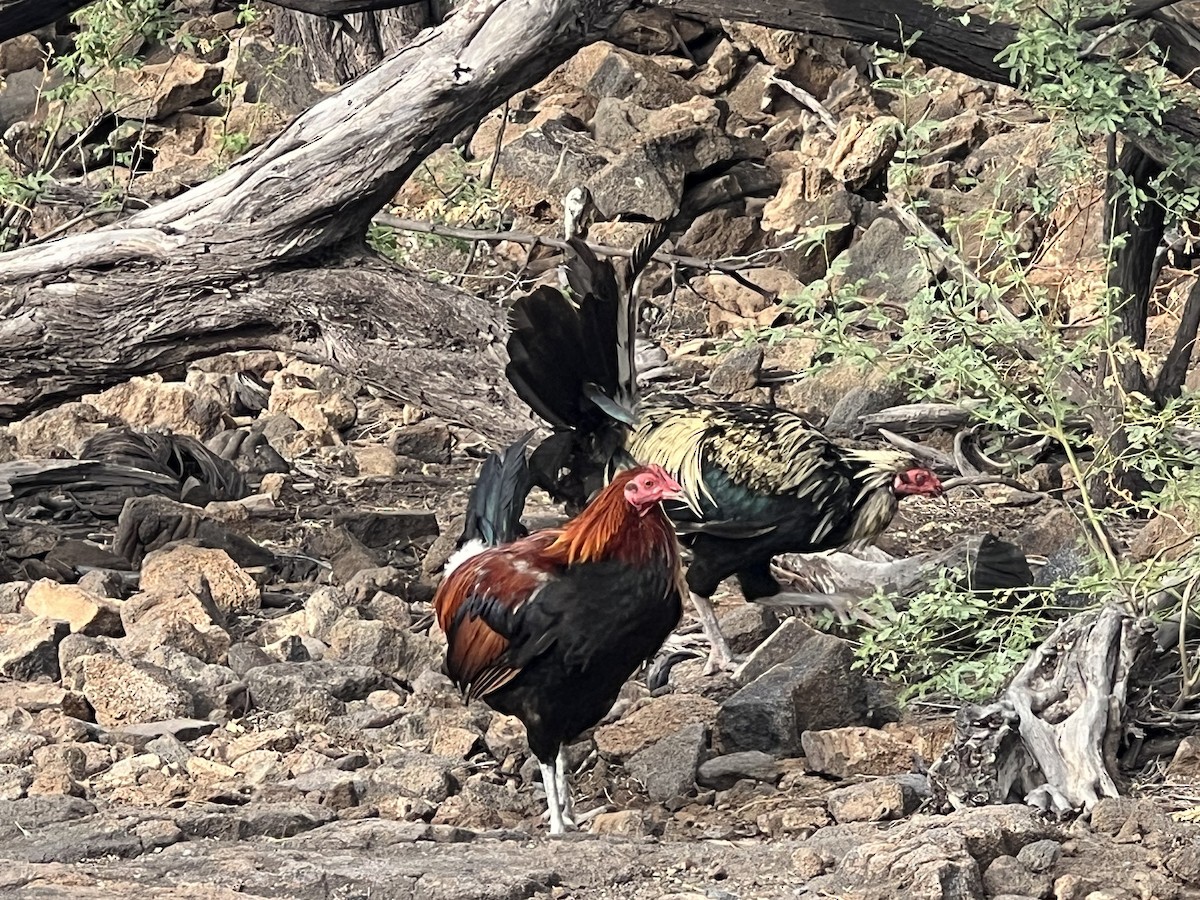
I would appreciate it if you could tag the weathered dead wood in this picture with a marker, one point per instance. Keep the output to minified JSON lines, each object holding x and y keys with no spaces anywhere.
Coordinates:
{"x":839,"y":580}
{"x":237,"y":262}
{"x":338,"y":46}
{"x":1052,"y":738}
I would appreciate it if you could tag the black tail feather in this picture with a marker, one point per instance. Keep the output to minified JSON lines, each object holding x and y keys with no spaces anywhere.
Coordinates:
{"x":498,"y":499}
{"x":565,"y":351}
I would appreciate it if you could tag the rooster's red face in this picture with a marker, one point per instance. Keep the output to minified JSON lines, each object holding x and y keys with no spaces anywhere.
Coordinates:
{"x":651,"y":484}
{"x":917,"y":481}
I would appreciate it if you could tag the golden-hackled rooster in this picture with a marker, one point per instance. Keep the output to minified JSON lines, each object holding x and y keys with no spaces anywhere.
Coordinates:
{"x":758,"y":481}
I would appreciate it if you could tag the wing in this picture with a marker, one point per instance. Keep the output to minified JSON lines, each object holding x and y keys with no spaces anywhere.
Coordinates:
{"x":475,"y":606}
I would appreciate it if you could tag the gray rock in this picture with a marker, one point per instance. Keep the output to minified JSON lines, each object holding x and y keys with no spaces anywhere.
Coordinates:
{"x":216,"y":692}
{"x":44,"y":810}
{"x":737,"y":371}
{"x":426,"y":442}
{"x":884,"y":263}
{"x":282,"y":686}
{"x":722,"y":772}
{"x":411,"y":774}
{"x":747,"y":625}
{"x":1006,"y":875}
{"x":816,"y":688}
{"x":935,"y":865}
{"x":169,"y":749}
{"x":30,"y":650}
{"x":783,"y":643}
{"x":17,"y":747}
{"x":243,"y":657}
{"x":275,"y":820}
{"x":847,"y":414}
{"x":668,"y":768}
{"x":180,"y":729}
{"x":876,"y":801}
{"x":386,"y":529}
{"x":1040,"y":856}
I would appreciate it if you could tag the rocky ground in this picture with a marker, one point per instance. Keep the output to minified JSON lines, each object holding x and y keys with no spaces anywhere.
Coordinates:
{"x":240,"y":694}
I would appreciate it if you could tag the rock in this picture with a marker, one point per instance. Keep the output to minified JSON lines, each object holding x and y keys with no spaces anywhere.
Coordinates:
{"x":723,"y":772}
{"x":1040,"y":856}
{"x":14,"y":782}
{"x":12,"y":596}
{"x":737,"y":371}
{"x":882,"y":264}
{"x":347,"y":555}
{"x":143,"y":733}
{"x":782,"y":644}
{"x":815,"y":689}
{"x":243,"y":657}
{"x":1007,"y":875}
{"x":185,"y":569}
{"x":156,"y":90}
{"x":862,"y":400}
{"x":384,"y":529}
{"x":657,"y":719}
{"x":862,"y":149}
{"x":324,"y":412}
{"x":29,"y":651}
{"x":627,"y":822}
{"x":719,"y":233}
{"x":215,"y":690}
{"x":282,"y":686}
{"x":372,"y":459}
{"x":1185,"y":764}
{"x":732,"y":305}
{"x":877,"y":801}
{"x":808,"y":863}
{"x":422,"y":441}
{"x":842,"y":752}
{"x":259,"y":819}
{"x":83,"y":612}
{"x":147,"y":402}
{"x":602,"y":70}
{"x":810,"y":203}
{"x":20,"y":53}
{"x":453,"y":742}
{"x":65,"y":427}
{"x":17,"y":747}
{"x":185,"y":621}
{"x":411,"y":775}
{"x":1168,"y":535}
{"x":369,"y":642}
{"x":668,"y":768}
{"x":747,"y":625}
{"x":127,"y":693}
{"x":105,"y":583}
{"x":934,"y":866}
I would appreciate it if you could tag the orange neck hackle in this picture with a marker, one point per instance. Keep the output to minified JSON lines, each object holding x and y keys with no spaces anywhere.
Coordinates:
{"x":612,"y":528}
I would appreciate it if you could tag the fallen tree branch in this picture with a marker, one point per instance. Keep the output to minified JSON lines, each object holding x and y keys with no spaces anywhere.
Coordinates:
{"x":198,"y":274}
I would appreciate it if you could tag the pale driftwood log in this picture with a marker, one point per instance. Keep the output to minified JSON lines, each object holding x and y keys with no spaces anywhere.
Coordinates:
{"x":914,"y":418}
{"x":839,"y":580}
{"x":1051,"y":739}
{"x":266,"y":254}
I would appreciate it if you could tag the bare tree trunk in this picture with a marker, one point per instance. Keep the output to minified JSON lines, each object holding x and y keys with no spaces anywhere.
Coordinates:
{"x":339,"y":50}
{"x":201,"y":271}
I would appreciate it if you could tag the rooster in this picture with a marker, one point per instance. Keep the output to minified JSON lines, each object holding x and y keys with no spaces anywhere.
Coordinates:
{"x":758,"y":481}
{"x":549,"y":626}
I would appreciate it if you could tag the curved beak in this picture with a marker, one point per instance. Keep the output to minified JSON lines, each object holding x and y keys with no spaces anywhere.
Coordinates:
{"x":672,"y":490}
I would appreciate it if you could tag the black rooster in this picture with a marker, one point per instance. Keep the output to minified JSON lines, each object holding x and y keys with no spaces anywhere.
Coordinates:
{"x":759,"y":481}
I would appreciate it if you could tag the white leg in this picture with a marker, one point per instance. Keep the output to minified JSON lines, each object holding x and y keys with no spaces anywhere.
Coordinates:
{"x":564,"y":789}
{"x":550,"y":783}
{"x":720,"y":657}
